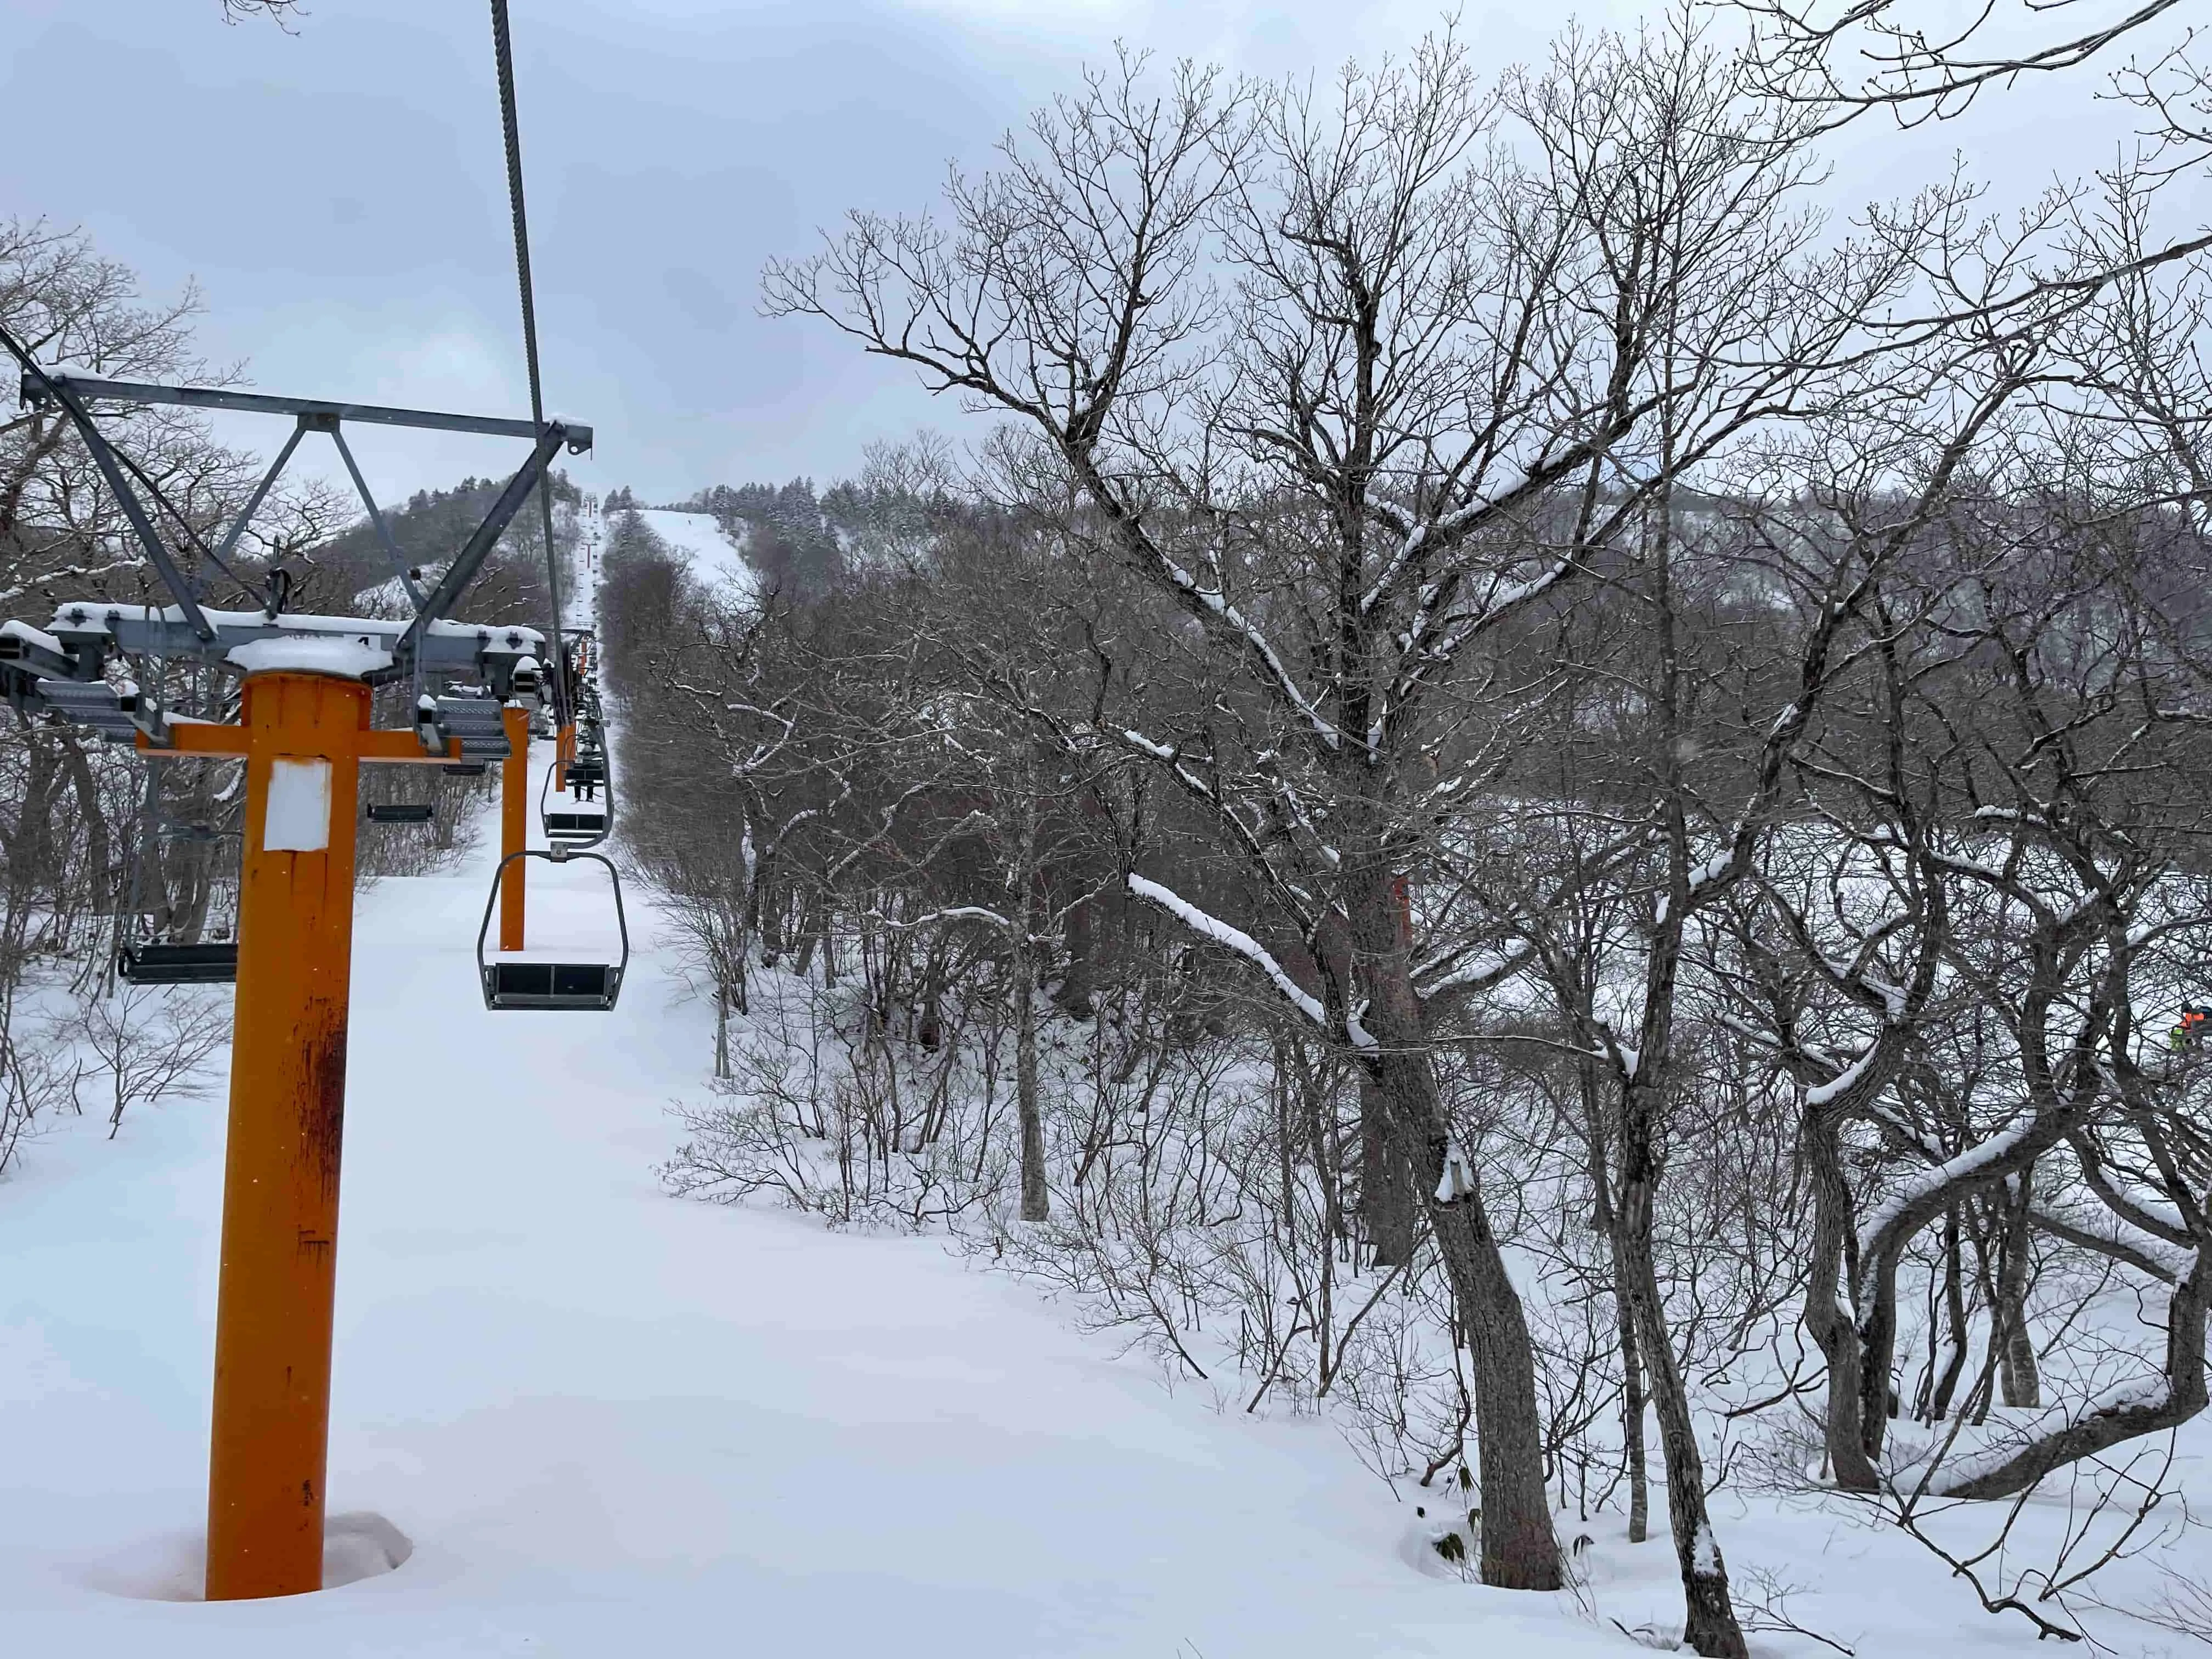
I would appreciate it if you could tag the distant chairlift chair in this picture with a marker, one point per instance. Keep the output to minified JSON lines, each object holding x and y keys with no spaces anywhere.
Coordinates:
{"x":567,"y":828}
{"x":163,"y":962}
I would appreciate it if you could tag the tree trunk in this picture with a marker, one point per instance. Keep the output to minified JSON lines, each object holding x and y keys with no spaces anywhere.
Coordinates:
{"x":1520,"y":1550}
{"x":1711,"y":1629}
{"x":1631,"y":1398}
{"x":2016,"y":1369}
{"x":99,"y":853}
{"x":1830,"y":1326}
{"x":1076,"y":994}
{"x":2118,"y":1417}
{"x":1955,"y":1315}
{"x":1386,"y":1185}
{"x":1036,"y":1201}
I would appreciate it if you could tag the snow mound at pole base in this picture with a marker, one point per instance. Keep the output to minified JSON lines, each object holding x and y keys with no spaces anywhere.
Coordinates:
{"x":173,"y":1566}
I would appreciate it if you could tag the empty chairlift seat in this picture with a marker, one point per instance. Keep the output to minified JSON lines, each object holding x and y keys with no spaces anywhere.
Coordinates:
{"x":510,"y":984}
{"x":567,"y":827}
{"x":585,"y":987}
{"x":178,"y":964}
{"x":400,"y":811}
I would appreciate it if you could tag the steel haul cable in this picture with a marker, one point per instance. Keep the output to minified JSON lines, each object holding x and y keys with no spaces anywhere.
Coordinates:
{"x":504,"y":51}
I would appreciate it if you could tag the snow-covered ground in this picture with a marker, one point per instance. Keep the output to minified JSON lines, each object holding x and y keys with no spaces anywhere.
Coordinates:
{"x":614,"y":1422}
{"x":713,"y":557}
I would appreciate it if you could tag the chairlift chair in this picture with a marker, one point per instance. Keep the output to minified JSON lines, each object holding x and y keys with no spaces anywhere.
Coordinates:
{"x":567,"y":986}
{"x":568,"y":828}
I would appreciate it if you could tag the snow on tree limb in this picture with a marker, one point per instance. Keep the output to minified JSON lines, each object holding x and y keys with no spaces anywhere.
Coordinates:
{"x":1233,"y":938}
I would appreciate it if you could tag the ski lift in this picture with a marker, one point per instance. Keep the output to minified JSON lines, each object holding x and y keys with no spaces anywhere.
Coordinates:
{"x":465,"y":769}
{"x":569,"y":987}
{"x":526,"y":683}
{"x":576,"y":829}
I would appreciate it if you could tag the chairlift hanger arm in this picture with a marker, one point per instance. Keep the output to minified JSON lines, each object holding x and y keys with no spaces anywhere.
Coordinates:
{"x":577,"y":437}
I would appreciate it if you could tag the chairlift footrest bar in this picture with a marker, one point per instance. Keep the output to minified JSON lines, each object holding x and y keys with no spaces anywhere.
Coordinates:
{"x":479,"y":722}
{"x":95,"y":703}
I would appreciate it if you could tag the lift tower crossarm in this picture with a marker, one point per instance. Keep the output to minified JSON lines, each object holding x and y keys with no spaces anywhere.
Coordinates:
{"x":37,"y":390}
{"x":463,"y":570}
{"x":578,"y":437}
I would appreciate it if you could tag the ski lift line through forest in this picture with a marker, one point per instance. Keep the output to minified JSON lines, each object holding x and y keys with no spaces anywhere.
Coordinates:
{"x":304,"y":730}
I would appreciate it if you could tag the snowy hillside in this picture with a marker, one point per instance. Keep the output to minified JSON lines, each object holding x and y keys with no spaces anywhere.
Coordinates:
{"x":714,"y":558}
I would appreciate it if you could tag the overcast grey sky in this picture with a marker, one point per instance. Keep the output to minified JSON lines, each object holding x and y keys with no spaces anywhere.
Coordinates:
{"x":338,"y":191}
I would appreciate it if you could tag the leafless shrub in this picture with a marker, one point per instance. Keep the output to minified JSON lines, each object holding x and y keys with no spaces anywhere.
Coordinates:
{"x":152,"y":1041}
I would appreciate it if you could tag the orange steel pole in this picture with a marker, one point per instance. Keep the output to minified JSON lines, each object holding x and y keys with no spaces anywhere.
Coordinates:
{"x":303,"y":737}
{"x":564,"y":750}
{"x":513,"y":825}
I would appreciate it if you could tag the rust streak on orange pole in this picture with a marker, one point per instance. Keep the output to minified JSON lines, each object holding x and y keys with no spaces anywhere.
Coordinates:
{"x":280,"y":1201}
{"x":513,"y":825}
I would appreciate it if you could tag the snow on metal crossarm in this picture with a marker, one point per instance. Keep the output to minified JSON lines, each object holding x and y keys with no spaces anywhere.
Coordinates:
{"x":312,"y":653}
{"x":96,"y":616}
{"x":30,"y":636}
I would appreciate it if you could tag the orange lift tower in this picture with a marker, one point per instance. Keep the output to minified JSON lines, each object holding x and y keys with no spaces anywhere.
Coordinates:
{"x":304,"y":735}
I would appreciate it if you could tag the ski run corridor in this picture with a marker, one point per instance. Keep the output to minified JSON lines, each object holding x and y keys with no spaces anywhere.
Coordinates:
{"x":612,"y":1422}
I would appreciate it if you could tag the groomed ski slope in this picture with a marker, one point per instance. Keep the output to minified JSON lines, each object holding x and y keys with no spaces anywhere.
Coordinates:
{"x":713,"y":557}
{"x":615,"y":1423}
